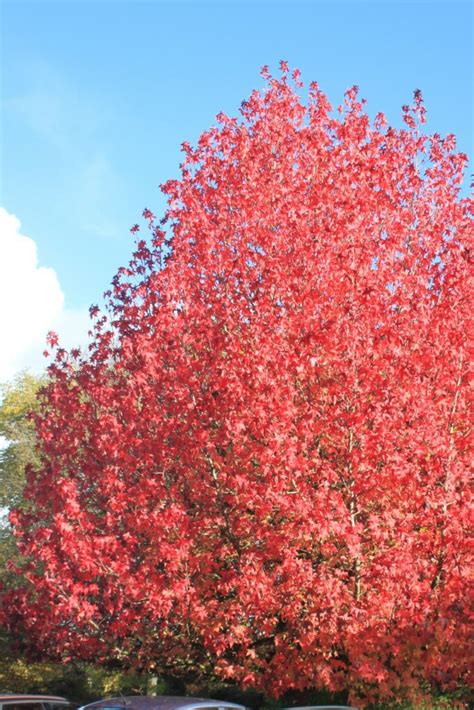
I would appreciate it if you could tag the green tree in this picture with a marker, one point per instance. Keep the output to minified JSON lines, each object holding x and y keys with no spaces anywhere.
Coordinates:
{"x":18,"y":399}
{"x":17,"y":450}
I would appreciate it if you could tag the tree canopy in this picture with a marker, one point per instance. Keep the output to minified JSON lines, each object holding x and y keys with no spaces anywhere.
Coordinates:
{"x":17,"y":451}
{"x":260,"y":468}
{"x":17,"y":401}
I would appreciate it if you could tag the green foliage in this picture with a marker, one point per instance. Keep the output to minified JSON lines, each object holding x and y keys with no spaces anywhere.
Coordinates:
{"x":441,"y":702}
{"x":18,"y":399}
{"x":436,"y":703}
{"x":17,"y":450}
{"x":83,"y":683}
{"x":80,"y":683}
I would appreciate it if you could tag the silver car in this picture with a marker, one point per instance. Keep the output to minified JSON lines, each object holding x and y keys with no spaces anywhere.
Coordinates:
{"x":15,"y":701}
{"x":167,"y":702}
{"x":160,"y":702}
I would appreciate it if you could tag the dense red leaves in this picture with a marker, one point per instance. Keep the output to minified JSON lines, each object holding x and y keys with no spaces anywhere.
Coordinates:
{"x":262,"y":463}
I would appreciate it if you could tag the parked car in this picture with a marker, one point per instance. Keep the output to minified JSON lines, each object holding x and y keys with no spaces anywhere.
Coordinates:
{"x":11,"y":701}
{"x":160,"y":702}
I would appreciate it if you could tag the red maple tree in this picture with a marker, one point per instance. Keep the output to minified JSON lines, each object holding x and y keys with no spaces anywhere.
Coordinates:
{"x":261,"y":465}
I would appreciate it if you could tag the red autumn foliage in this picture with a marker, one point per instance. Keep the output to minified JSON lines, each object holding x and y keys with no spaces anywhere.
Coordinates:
{"x":261,"y":466}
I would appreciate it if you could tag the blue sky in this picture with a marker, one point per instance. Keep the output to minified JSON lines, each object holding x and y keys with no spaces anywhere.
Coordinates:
{"x":97,"y":97}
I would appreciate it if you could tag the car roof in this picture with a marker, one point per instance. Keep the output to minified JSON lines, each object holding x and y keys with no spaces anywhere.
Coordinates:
{"x":17,"y":698}
{"x":163,"y":702}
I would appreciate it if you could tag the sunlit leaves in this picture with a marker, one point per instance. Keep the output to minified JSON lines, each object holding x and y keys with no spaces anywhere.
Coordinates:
{"x":261,"y":467}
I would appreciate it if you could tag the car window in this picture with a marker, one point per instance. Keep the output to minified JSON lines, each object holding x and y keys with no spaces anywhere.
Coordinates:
{"x":22,"y":706}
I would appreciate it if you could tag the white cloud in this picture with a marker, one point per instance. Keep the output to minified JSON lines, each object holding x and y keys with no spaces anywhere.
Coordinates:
{"x":31,"y":303}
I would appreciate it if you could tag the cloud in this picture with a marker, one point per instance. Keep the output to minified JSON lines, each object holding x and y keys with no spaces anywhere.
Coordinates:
{"x":32,"y":303}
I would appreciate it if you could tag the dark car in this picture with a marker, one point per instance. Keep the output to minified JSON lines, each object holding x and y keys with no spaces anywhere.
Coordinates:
{"x":160,"y":702}
{"x":11,"y":701}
